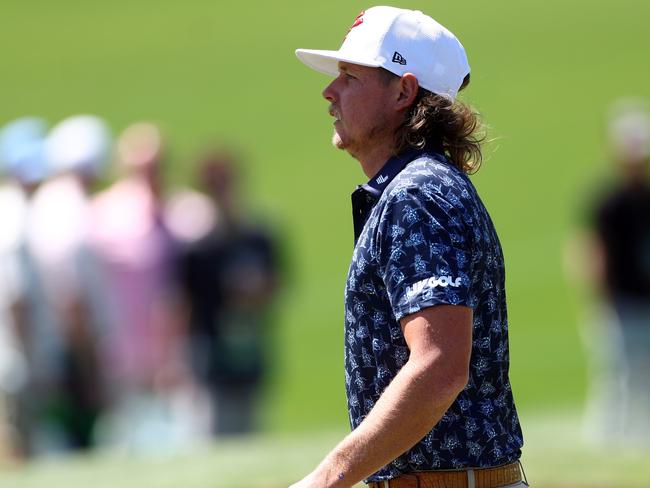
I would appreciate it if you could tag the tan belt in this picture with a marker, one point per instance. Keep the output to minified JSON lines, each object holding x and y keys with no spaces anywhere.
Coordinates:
{"x":469,"y":478}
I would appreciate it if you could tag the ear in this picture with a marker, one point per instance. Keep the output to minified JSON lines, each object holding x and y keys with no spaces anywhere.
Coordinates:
{"x":408,"y":90}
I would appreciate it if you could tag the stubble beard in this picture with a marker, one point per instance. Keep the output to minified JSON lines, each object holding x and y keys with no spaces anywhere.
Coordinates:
{"x":375,"y":134}
{"x":337,"y":142}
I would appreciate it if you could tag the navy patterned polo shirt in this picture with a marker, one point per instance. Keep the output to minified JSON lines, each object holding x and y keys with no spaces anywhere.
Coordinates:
{"x":423,"y":238}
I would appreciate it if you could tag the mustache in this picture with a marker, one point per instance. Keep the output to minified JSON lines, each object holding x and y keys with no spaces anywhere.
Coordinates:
{"x":333,"y":111}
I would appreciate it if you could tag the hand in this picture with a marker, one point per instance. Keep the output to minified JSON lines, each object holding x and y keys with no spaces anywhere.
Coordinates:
{"x":315,"y":480}
{"x":312,"y":480}
{"x":307,"y":482}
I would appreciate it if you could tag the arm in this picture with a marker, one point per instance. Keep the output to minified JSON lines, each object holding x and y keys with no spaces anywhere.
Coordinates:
{"x":440,"y":343}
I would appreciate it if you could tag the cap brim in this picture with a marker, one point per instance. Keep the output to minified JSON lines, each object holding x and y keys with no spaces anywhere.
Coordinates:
{"x":327,"y":62}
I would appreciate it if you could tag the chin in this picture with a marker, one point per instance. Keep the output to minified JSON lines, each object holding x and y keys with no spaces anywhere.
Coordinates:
{"x":337,"y":142}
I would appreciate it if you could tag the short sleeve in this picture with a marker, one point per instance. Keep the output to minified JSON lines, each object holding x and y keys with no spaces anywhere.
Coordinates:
{"x":424,"y":250}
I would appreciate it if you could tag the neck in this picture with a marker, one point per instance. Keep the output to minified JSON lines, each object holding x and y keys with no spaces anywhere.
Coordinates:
{"x":374,"y":160}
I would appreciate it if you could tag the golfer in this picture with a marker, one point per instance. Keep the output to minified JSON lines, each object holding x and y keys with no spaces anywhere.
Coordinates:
{"x":426,"y":329}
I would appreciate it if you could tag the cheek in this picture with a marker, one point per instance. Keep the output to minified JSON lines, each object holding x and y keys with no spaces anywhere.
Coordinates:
{"x":353,"y":107}
{"x":378,"y":114}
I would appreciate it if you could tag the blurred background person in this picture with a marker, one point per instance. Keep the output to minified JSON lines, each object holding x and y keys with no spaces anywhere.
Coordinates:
{"x":230,"y":280}
{"x":622,"y":229}
{"x":22,"y":160}
{"x":67,"y":393}
{"x":617,"y":265}
{"x":144,"y":361}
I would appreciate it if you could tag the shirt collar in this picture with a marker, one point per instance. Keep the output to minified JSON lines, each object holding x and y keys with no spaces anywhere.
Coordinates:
{"x":366,"y":196}
{"x":378,"y":183}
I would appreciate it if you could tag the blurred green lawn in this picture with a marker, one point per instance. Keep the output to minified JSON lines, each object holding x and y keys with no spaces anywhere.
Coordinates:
{"x":275,"y":461}
{"x":544,"y":73}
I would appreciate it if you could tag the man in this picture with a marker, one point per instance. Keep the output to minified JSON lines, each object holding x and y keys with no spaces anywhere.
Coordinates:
{"x":21,"y":294}
{"x":68,"y":391}
{"x":621,"y":271}
{"x":426,"y":350}
{"x":229,"y":277}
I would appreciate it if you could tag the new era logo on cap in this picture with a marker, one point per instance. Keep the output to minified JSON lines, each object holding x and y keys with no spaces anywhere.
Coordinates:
{"x":398,"y":58}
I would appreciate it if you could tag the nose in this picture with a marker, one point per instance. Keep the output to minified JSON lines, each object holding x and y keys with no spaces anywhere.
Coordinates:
{"x":329,"y":93}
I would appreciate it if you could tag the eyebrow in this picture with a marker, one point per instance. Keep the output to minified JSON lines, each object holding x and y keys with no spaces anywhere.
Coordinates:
{"x":349,"y":68}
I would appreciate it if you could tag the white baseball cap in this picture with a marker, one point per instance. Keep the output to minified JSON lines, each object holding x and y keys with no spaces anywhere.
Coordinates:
{"x":81,"y":143}
{"x":629,"y":130}
{"x":401,"y":41}
{"x":22,"y":149}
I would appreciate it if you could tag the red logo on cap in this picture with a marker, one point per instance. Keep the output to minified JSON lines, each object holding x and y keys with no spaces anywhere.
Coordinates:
{"x":358,"y":20}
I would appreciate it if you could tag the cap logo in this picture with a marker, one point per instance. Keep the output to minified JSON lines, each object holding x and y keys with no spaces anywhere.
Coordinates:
{"x":358,"y":20}
{"x":398,"y":58}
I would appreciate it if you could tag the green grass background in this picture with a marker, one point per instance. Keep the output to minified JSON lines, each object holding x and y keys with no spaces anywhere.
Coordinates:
{"x":543,"y":76}
{"x":553,"y":459}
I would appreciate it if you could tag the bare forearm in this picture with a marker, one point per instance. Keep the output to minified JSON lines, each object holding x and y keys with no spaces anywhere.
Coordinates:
{"x":409,"y":408}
